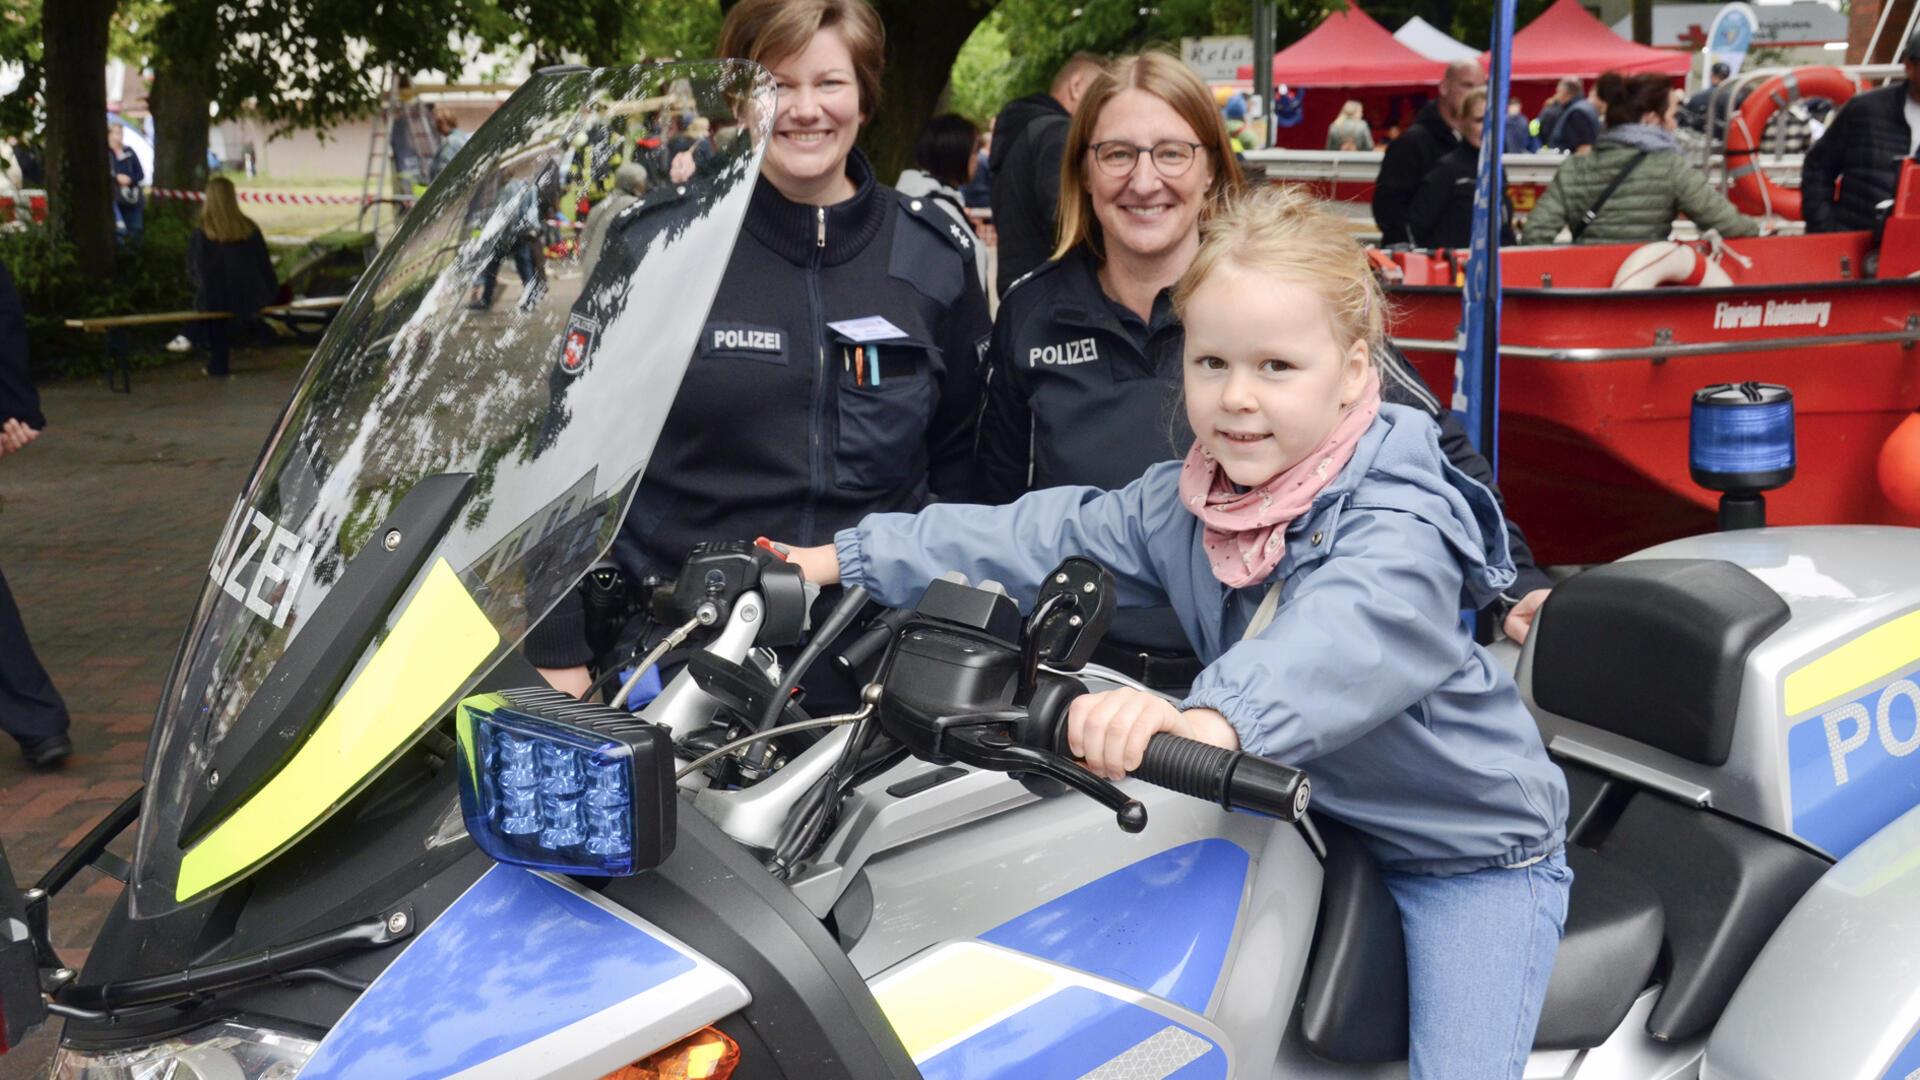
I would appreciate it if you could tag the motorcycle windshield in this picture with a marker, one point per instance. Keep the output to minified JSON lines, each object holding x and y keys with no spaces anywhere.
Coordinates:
{"x":460,"y":450}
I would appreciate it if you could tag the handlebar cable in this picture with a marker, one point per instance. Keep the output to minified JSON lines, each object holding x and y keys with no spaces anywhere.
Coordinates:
{"x":851,"y":601}
{"x":820,"y":807}
{"x":667,"y":644}
{"x":783,"y":729}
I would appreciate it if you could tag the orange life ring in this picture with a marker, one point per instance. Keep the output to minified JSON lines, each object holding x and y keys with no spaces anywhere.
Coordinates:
{"x":1751,"y":190}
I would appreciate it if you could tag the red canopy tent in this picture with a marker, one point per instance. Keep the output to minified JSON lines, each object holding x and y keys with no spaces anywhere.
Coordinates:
{"x":1566,"y":40}
{"x":1349,"y":49}
{"x":1349,"y":56}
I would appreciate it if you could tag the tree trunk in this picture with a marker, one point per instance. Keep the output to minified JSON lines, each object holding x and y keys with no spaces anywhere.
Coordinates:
{"x":923,"y":38}
{"x":184,"y":80}
{"x":79,"y":180}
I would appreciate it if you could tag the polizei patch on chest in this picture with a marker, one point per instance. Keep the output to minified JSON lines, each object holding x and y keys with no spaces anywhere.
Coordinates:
{"x":1083,"y":351}
{"x":1733,"y":315}
{"x":768,"y":341}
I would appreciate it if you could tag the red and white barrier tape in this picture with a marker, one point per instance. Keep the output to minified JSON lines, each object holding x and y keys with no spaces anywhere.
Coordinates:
{"x":282,"y":198}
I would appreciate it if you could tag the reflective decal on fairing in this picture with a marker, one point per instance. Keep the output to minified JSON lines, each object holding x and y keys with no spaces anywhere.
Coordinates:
{"x":970,"y":1011}
{"x":521,"y":977}
{"x":1854,"y":761}
{"x":1162,"y":924}
{"x":1906,"y":1065}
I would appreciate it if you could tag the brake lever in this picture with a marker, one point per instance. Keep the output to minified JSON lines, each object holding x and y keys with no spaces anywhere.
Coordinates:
{"x":997,"y":750}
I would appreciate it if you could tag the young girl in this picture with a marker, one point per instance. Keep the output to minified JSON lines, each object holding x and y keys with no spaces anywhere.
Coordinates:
{"x":1318,"y":551}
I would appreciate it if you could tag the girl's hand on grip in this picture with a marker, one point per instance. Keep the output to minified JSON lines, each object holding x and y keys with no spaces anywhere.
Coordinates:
{"x":1109,"y":731}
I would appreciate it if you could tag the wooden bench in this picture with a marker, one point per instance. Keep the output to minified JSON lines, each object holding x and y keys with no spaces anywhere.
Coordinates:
{"x":309,"y":314}
{"x":314,"y":311}
{"x":113,"y":327}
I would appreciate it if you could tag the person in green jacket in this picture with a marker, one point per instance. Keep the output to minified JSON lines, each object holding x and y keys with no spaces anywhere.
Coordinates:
{"x":1641,"y":113}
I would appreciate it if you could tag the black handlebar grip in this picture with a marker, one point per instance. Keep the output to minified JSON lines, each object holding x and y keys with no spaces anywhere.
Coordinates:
{"x":1230,"y":778}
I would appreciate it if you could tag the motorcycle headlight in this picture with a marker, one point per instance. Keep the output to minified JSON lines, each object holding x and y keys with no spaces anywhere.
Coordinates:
{"x":223,"y":1051}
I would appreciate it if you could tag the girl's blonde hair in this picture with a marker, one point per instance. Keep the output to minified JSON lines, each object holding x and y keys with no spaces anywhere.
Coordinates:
{"x":221,"y":218}
{"x":1285,"y":231}
{"x":1168,"y":78}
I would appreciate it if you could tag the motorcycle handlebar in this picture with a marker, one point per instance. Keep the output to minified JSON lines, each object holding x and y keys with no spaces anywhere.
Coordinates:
{"x":878,"y":633}
{"x":1231,"y":778}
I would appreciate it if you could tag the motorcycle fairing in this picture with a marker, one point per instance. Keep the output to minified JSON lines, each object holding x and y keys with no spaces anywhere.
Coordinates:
{"x":526,"y":976}
{"x":421,"y":378}
{"x":1161,"y":925}
{"x":967,"y":1010}
{"x":1853,"y":751}
{"x":1836,"y":991}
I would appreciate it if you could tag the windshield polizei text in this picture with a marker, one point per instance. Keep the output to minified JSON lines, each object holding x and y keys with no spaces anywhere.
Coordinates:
{"x":278,"y":557}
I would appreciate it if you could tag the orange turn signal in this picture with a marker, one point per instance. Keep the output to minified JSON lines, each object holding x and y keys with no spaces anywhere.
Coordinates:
{"x":707,"y":1054}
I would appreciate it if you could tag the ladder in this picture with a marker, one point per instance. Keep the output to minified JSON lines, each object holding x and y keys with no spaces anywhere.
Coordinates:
{"x":375,"y":190}
{"x":1891,"y":31}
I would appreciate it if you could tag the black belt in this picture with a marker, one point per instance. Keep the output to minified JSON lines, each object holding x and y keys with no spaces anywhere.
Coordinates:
{"x":1158,"y":670}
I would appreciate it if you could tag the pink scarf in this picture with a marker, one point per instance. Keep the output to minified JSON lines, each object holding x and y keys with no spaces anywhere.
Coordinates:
{"x":1245,"y":531}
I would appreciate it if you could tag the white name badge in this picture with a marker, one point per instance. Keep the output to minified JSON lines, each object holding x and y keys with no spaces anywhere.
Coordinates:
{"x":871,"y":328}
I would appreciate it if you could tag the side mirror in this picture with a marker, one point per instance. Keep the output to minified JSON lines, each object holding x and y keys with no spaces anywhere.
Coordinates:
{"x":1071,"y":615}
{"x":21,"y":1007}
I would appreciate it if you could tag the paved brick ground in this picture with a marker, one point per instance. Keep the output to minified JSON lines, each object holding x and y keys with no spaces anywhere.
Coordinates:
{"x":106,"y":527}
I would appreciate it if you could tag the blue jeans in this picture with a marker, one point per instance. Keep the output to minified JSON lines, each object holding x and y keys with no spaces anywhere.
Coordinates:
{"x":1480,"y":948}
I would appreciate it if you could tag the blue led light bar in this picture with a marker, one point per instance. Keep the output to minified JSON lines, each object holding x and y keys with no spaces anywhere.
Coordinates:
{"x":550,"y":783}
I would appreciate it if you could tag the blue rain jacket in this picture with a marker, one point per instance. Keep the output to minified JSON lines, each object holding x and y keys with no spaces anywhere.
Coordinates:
{"x":1366,"y":677}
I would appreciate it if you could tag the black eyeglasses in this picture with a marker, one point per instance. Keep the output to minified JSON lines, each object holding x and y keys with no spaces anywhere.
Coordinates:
{"x":1171,"y":157}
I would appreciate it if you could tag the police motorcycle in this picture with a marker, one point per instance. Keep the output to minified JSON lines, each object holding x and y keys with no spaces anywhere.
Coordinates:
{"x":373,"y":844}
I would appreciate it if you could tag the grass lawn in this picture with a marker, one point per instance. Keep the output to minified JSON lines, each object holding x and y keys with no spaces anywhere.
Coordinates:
{"x":302,"y":222}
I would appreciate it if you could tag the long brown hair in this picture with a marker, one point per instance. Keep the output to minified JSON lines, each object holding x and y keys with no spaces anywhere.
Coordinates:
{"x":221,"y":218}
{"x":1166,"y":77}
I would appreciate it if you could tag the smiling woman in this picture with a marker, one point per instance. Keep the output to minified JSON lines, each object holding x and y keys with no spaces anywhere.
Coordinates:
{"x":837,"y":374}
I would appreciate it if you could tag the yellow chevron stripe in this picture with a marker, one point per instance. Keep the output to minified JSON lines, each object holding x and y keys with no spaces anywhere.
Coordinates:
{"x":1873,"y":655}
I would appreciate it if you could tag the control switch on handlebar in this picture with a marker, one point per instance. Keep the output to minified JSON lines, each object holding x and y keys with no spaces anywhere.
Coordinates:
{"x":715,"y":575}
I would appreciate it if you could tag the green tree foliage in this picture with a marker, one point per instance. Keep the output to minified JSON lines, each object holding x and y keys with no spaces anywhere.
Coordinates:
{"x":1017,"y":50}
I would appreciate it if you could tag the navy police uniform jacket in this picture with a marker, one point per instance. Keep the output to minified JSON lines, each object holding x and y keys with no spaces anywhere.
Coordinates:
{"x":779,"y":427}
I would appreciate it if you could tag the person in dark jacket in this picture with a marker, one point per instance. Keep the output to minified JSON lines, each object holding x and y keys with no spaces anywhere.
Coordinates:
{"x":1565,"y":93}
{"x":1694,"y":113}
{"x":838,"y":372}
{"x":227,"y":262}
{"x":31,"y":709}
{"x":1579,"y":124}
{"x":1411,"y":156}
{"x":1856,"y":165}
{"x":1442,"y":212}
{"x":1085,"y":358}
{"x":129,"y":202}
{"x":1025,"y":161}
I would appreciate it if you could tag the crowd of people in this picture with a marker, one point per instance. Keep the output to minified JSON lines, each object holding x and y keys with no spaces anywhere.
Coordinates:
{"x":1626,"y":178}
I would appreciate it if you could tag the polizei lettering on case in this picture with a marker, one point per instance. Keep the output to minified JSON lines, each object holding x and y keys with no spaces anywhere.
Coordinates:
{"x":1083,"y":351}
{"x":260,"y":563}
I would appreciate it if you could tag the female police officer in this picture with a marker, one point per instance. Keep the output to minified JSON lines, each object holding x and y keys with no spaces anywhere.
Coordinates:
{"x":1084,"y":362}
{"x":838,"y":373}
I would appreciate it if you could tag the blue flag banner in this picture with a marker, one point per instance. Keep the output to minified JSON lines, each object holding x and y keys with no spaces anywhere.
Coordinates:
{"x":1476,"y":372}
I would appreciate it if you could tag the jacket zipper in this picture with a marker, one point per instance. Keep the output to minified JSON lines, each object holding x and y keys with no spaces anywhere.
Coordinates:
{"x":816,"y":440}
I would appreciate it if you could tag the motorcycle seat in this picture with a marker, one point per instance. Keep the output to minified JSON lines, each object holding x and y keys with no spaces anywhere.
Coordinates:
{"x":1355,"y":1002}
